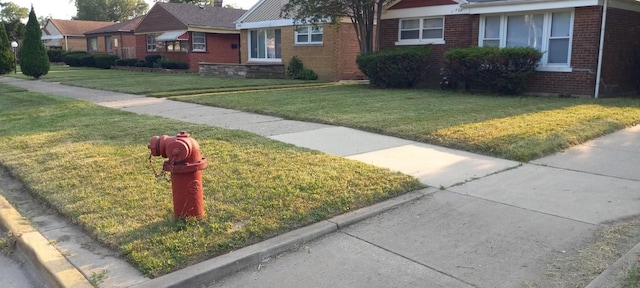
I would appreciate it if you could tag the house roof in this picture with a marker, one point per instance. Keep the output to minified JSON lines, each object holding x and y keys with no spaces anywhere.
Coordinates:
{"x":124,"y":26}
{"x":264,"y":10}
{"x":203,"y":16}
{"x":77,"y":27}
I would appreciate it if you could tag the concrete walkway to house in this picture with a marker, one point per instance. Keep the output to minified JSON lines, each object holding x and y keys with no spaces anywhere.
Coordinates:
{"x":485,"y":222}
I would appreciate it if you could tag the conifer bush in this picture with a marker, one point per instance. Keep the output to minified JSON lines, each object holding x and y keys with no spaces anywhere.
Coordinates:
{"x":6,"y":52}
{"x":34,"y":61}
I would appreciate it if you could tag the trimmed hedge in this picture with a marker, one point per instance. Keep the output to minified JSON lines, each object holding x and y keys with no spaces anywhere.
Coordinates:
{"x":173,"y":64}
{"x":296,"y":70}
{"x":503,"y":70}
{"x":55,"y":55}
{"x":395,"y":68}
{"x":127,"y":62}
{"x":152,"y":60}
{"x":105,"y":61}
{"x":73,"y":58}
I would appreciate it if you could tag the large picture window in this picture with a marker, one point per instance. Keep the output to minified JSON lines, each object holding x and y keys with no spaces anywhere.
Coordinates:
{"x":548,"y":32}
{"x":199,"y":41}
{"x":177,"y":46}
{"x":264,"y":45}
{"x":421,"y":30}
{"x":151,"y":42}
{"x":308,"y":35}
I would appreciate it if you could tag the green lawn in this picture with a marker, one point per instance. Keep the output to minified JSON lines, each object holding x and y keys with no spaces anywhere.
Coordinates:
{"x":518,"y":128}
{"x":91,"y":164}
{"x":149,"y":83}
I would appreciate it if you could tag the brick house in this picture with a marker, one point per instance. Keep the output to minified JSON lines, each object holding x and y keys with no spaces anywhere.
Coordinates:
{"x":68,"y":35}
{"x":568,"y":32}
{"x":267,"y":38}
{"x":117,"y":39}
{"x":190,"y":33}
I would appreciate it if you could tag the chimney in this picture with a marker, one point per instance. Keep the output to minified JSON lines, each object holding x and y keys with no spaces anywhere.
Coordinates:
{"x":217,"y":3}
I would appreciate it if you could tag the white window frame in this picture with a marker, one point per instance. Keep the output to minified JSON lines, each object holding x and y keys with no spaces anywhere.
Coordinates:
{"x":421,"y":28}
{"x":200,"y":46}
{"x":266,"y":59}
{"x":544,"y":64}
{"x":309,"y":33}
{"x":152,"y":45}
{"x":92,"y":44}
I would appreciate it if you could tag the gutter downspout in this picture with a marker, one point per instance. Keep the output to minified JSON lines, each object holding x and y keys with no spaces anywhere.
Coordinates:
{"x":66,"y":43}
{"x":602,"y":32}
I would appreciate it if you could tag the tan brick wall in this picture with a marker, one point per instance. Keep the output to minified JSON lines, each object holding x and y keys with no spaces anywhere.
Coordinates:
{"x":75,"y":44}
{"x":332,"y":60}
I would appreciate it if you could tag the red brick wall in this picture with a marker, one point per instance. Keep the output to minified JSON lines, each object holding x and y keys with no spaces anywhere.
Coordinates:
{"x":584,"y":59}
{"x":621,"y":43}
{"x":460,"y":31}
{"x":348,"y":51}
{"x":219,"y":50}
{"x":463,"y":31}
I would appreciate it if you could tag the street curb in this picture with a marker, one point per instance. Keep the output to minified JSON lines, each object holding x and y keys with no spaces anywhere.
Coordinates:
{"x":209,"y":271}
{"x":52,"y":267}
{"x":609,"y":278}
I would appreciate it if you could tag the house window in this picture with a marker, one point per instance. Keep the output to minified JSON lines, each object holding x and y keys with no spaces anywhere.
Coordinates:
{"x":548,"y":32}
{"x":421,"y":31}
{"x":107,"y":43}
{"x":264,"y":45}
{"x":308,"y":35}
{"x":151,"y":42}
{"x":199,"y":41}
{"x":177,"y":46}
{"x":92,"y":44}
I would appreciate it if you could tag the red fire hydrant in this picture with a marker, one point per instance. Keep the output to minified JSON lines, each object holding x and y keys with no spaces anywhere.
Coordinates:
{"x":185,"y":165}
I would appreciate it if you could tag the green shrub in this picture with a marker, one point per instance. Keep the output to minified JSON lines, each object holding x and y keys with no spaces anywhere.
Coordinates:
{"x":105,"y":61}
{"x":500,"y":70}
{"x":152,"y":60}
{"x":141,"y":63}
{"x":296,"y":70}
{"x":395,"y":68}
{"x":55,"y":55}
{"x":307,"y":74}
{"x":73,"y":58}
{"x":34,"y":61}
{"x":127,"y":62}
{"x":295,"y":67}
{"x":173,"y":64}
{"x":87,"y":60}
{"x":6,"y":52}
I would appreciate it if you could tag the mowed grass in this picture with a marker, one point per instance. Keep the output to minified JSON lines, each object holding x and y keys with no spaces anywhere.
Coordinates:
{"x":517,"y":128}
{"x":135,"y":82}
{"x":91,"y":164}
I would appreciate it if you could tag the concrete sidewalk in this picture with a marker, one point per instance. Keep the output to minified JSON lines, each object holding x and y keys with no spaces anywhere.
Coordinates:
{"x":490,"y":223}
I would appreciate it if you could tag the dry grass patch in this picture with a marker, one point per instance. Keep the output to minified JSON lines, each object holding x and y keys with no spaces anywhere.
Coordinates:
{"x":90,"y":163}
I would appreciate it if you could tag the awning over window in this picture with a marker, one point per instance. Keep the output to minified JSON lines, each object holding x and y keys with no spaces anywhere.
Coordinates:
{"x":173,"y":36}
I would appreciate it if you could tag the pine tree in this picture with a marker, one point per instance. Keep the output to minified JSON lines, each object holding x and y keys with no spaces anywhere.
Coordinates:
{"x":6,"y":52}
{"x":34,"y":61}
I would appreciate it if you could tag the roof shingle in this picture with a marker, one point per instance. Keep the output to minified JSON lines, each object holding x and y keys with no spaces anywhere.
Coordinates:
{"x":203,"y":16}
{"x":77,"y":27}
{"x":125,"y":26}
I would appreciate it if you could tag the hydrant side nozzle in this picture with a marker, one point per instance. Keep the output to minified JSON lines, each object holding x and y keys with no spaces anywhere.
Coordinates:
{"x":157,"y":145}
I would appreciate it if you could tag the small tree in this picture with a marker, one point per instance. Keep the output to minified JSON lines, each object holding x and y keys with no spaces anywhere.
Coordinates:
{"x":33,"y":57}
{"x":6,"y":52}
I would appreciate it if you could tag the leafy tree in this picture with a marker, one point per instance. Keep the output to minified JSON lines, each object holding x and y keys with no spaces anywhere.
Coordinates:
{"x":361,"y":12}
{"x":6,"y":52}
{"x":109,"y":10}
{"x":11,"y":11}
{"x":15,"y":30}
{"x":10,"y":16}
{"x":33,"y":57}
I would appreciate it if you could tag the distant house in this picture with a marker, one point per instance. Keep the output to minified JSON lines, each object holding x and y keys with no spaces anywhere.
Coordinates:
{"x":117,"y":39}
{"x":190,"y":33}
{"x":68,"y":35}
{"x":576,"y":62}
{"x":267,"y":38}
